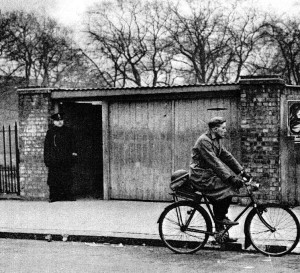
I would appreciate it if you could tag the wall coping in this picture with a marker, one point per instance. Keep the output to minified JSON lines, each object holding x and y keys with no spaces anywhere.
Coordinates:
{"x":268,"y":79}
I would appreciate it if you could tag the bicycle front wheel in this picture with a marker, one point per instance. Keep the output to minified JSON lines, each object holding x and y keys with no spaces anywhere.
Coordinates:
{"x":272,"y":229}
{"x":184,"y":227}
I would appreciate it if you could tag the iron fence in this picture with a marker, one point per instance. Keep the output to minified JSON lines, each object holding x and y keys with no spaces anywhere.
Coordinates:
{"x":9,"y":160}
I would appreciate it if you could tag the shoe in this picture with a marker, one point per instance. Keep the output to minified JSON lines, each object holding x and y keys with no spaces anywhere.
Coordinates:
{"x":227,"y":222}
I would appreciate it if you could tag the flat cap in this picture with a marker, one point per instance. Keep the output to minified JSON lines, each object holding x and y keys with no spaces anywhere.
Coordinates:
{"x":216,"y":122}
{"x":57,"y":116}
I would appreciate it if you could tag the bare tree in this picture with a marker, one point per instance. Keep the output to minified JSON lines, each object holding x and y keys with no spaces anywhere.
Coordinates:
{"x":4,"y":35}
{"x":4,"y":32}
{"x":132,"y":38}
{"x":283,"y":38}
{"x":188,"y":42}
{"x":39,"y":50}
{"x":246,"y":41}
{"x":20,"y":42}
{"x":56,"y":53}
{"x":200,"y":35}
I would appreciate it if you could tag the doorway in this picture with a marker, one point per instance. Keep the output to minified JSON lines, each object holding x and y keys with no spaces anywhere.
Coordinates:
{"x":85,"y":119}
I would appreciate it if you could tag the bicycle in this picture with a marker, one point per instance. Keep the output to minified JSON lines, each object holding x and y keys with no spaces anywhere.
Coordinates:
{"x":185,"y":225}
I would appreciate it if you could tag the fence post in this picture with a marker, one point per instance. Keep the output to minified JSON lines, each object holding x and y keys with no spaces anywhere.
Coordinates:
{"x":17,"y":158}
{"x":10,"y":170}
{"x":4,"y":157}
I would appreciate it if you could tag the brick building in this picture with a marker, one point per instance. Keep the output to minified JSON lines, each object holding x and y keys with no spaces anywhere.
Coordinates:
{"x":131,"y":139}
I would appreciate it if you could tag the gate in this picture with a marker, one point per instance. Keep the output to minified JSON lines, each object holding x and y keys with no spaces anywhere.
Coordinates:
{"x":9,"y":160}
{"x":150,"y":139}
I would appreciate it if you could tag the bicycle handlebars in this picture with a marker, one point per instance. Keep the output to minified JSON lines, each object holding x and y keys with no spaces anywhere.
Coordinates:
{"x":251,"y":183}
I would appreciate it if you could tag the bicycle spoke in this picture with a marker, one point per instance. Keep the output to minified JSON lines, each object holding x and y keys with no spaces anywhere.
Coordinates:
{"x":173,"y":221}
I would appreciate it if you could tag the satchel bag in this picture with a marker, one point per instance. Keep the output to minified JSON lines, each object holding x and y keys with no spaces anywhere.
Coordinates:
{"x":178,"y":179}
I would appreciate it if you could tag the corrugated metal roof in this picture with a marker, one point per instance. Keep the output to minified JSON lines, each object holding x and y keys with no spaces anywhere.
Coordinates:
{"x":250,"y":78}
{"x":126,"y":88}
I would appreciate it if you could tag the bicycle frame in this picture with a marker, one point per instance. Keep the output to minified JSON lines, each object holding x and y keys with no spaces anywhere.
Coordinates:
{"x":186,"y":225}
{"x":197,"y":198}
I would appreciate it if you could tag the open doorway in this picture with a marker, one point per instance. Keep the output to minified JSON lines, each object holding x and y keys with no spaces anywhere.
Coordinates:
{"x":86,"y":121}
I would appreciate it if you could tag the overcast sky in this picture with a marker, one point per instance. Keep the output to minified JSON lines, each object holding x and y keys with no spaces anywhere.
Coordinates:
{"x":69,"y":12}
{"x":66,"y":11}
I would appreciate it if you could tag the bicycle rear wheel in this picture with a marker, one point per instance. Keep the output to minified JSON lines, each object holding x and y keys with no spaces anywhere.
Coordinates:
{"x":184,"y":227}
{"x":275,"y":232}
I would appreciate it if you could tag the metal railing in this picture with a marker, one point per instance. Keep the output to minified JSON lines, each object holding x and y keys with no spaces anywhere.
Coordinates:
{"x":9,"y":160}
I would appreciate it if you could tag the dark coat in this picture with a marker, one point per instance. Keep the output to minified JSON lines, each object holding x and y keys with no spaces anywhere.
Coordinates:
{"x":58,"y":148}
{"x":209,"y":168}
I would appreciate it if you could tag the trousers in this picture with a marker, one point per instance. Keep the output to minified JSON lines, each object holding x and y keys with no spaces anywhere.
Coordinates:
{"x":60,"y":181}
{"x":220,"y":209}
{"x":60,"y":193}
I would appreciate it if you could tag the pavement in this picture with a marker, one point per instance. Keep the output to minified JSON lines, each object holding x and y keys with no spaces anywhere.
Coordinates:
{"x":95,"y":221}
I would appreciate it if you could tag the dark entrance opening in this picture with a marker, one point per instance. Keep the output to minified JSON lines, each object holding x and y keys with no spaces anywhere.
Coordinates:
{"x":86,"y":121}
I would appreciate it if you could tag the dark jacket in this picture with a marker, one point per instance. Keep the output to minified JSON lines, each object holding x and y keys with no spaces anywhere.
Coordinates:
{"x":209,"y":167}
{"x":58,"y":147}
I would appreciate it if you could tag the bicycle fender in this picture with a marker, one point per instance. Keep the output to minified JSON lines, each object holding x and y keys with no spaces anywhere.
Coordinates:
{"x":247,"y":238}
{"x":161,"y":215}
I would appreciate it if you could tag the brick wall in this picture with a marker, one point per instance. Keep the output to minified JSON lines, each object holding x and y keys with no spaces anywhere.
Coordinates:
{"x":260,"y":133}
{"x":34,"y":109}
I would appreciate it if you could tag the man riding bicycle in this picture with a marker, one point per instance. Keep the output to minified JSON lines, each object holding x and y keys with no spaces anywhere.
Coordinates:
{"x":209,"y":171}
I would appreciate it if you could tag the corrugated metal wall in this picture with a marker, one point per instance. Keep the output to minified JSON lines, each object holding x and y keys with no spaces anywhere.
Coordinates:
{"x":149,"y":140}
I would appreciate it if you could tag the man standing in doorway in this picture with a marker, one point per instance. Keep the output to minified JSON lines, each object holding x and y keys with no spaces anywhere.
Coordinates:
{"x":209,"y":171}
{"x":59,"y":155}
